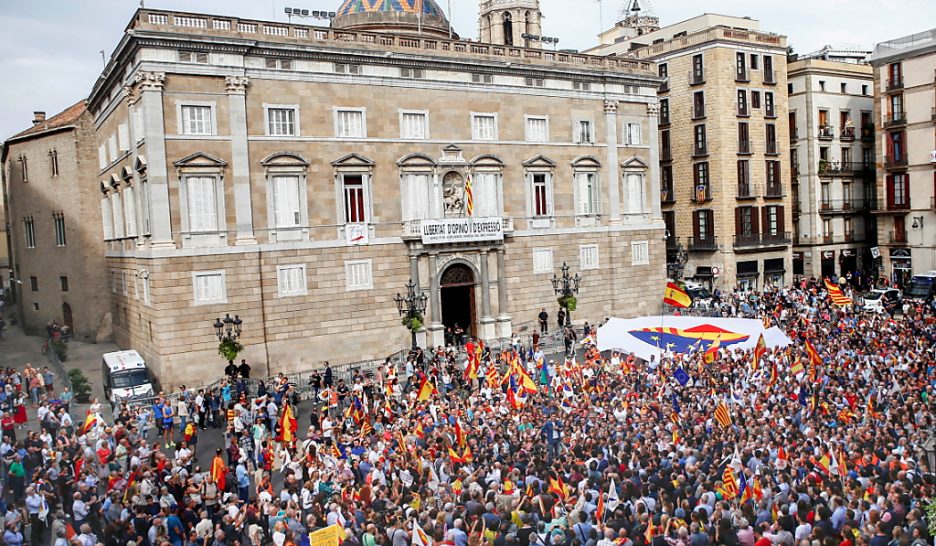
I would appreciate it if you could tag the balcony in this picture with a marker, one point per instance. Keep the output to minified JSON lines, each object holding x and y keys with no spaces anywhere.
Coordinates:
{"x":897,"y":237}
{"x":893,"y":84}
{"x":895,"y":162}
{"x":703,"y":196}
{"x":667,"y":197}
{"x":867,"y":133}
{"x":744,"y":147}
{"x":895,"y":119}
{"x":744,"y":112}
{"x":746,"y":191}
{"x":700,"y":151}
{"x":664,"y":87}
{"x":843,"y":168}
{"x":666,"y":154}
{"x":933,"y":203}
{"x":761,"y":240}
{"x":770,"y":77}
{"x":847,"y":135}
{"x":826,"y":132}
{"x":696,"y":79}
{"x":664,"y":120}
{"x":770,"y":113}
{"x":794,"y":136}
{"x":698,"y":112}
{"x":772,"y":148}
{"x":846,"y":206}
{"x":742,"y":76}
{"x":703,"y":243}
{"x":672,"y":243}
{"x":773,"y":191}
{"x":933,"y":114}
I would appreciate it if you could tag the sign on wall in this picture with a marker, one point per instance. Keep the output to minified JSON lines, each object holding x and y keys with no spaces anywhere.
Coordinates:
{"x":462,"y":230}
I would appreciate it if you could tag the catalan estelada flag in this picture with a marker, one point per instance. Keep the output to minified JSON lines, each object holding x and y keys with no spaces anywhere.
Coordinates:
{"x":836,"y":295}
{"x":722,"y":415}
{"x":469,"y":197}
{"x":674,"y":296}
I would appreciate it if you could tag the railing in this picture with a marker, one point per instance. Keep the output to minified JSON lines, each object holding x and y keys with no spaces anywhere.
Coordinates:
{"x":894,"y":162}
{"x":666,"y":154}
{"x":848,"y":134}
{"x":794,"y":136}
{"x":770,"y":77}
{"x":897,"y":236}
{"x":698,"y":112}
{"x":703,"y":243}
{"x":744,"y":111}
{"x":664,"y":120}
{"x":696,"y":79}
{"x":933,"y":203}
{"x":745,"y":191}
{"x":750,"y":240}
{"x":705,"y":197}
{"x":895,"y":118}
{"x":773,"y":191}
{"x":845,"y":168}
{"x":667,"y":196}
{"x":826,"y":132}
{"x":744,"y":147}
{"x":742,"y":76}
{"x":895,"y":83}
{"x":672,"y":243}
{"x":770,"y":113}
{"x":772,"y":148}
{"x":898,"y":205}
{"x":784,"y":238}
{"x":829,"y":206}
{"x":867,"y":133}
{"x":699,"y":151}
{"x":747,"y":240}
{"x":933,"y":114}
{"x":664,"y":86}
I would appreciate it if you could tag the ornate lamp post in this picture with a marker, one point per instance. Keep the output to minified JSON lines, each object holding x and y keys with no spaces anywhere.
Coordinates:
{"x":411,"y":308}
{"x":566,"y":288}
{"x":228,"y":331}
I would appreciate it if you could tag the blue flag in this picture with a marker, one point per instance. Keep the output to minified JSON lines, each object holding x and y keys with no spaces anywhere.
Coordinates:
{"x":675,"y":404}
{"x":681,"y":376}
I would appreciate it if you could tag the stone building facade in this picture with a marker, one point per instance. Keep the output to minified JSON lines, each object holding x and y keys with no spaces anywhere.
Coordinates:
{"x":904,"y":118}
{"x":724,"y":152}
{"x":57,"y":253}
{"x":510,"y":22}
{"x":299,"y":177}
{"x":833,"y":164}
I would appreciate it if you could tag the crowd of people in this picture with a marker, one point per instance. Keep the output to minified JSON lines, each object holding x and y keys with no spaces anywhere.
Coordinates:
{"x":826,"y":442}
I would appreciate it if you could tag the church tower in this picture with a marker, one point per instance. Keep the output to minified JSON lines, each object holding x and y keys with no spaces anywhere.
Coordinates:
{"x":505,"y":22}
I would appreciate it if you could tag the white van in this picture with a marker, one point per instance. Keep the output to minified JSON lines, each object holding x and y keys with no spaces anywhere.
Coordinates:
{"x":126,"y":377}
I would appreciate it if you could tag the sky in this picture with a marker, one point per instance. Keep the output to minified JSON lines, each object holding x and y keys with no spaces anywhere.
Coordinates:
{"x":52,"y":48}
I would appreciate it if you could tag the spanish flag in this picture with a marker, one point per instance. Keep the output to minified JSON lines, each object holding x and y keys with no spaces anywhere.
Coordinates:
{"x":426,"y":390}
{"x":420,"y":538}
{"x":797,"y":367}
{"x":464,"y":458}
{"x":814,"y":357}
{"x":556,"y":486}
{"x":759,"y":351}
{"x":722,"y":415}
{"x":287,"y":426}
{"x":92,"y":420}
{"x":674,"y":296}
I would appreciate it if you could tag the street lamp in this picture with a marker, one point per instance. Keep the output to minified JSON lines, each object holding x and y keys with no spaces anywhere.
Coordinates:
{"x":678,"y":266}
{"x":537,"y":38}
{"x":411,"y":308}
{"x":566,"y":288}
{"x":228,"y":329}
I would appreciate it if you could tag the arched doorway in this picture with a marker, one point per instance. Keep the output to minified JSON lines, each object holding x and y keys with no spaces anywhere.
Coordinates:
{"x":458,"y":299}
{"x":67,"y":316}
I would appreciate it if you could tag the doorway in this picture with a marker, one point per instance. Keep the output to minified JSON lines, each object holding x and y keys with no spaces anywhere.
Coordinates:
{"x":67,"y":316}
{"x":458,"y":300}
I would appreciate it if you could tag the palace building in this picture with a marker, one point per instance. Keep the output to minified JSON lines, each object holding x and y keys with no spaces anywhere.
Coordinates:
{"x":299,"y":177}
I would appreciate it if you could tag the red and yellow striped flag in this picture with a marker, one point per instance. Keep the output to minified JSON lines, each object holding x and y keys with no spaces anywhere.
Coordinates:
{"x":722,"y":415}
{"x":836,"y":295}
{"x":469,"y":197}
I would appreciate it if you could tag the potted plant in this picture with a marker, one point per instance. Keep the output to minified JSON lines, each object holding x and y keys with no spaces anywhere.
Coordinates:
{"x":568,"y":303}
{"x":229,"y":349}
{"x":413,"y":323}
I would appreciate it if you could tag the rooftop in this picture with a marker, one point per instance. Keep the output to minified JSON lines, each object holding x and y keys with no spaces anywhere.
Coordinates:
{"x":905,"y":46}
{"x":64,"y":119}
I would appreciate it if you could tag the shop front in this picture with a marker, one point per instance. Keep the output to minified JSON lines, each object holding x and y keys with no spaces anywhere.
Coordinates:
{"x":747,"y":276}
{"x":901,"y":266}
{"x":774,"y":272}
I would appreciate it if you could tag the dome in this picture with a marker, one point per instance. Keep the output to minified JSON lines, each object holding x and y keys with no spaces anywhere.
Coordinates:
{"x":403,"y":16}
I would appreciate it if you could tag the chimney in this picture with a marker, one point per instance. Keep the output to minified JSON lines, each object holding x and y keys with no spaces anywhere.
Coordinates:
{"x":38,"y":117}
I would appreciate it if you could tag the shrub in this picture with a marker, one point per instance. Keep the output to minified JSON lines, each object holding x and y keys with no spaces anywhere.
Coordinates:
{"x":81,"y":389}
{"x":60,"y":348}
{"x":229,"y":349}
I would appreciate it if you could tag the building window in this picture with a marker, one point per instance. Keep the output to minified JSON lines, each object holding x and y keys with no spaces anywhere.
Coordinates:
{"x":822,"y":85}
{"x":586,"y":187}
{"x":193,"y":57}
{"x":578,"y":85}
{"x":666,"y":184}
{"x":24,"y":167}
{"x":197,"y":119}
{"x":703,"y":226}
{"x":542,"y":260}
{"x":664,"y":112}
{"x":700,"y":141}
{"x":698,"y":105}
{"x":350,"y":123}
{"x":633,"y":134}
{"x":29,"y":231}
{"x":744,"y":178}
{"x":769,"y":110}
{"x":202,"y":201}
{"x":484,"y":126}
{"x":703,"y":189}
{"x":640,"y":253}
{"x":344,"y":68}
{"x":588,"y":257}
{"x":139,"y":125}
{"x":482,"y":78}
{"x":698,"y":72}
{"x":117,"y":213}
{"x":282,"y":120}
{"x":209,"y":287}
{"x":286,"y":201}
{"x":534,"y":82}
{"x":277,"y":64}
{"x":112,"y":147}
{"x":772,"y":216}
{"x":355,"y":203}
{"x":744,"y":138}
{"x":742,"y":103}
{"x":416,"y":191}
{"x":130,"y":216}
{"x":633,"y":193}
{"x":291,"y":280}
{"x":584,"y":132}
{"x":537,"y":129}
{"x":359,"y":275}
{"x":123,"y":137}
{"x":864,"y":90}
{"x":741,"y":67}
{"x":102,"y":157}
{"x":34,"y":284}
{"x":412,"y":73}
{"x":53,"y":162}
{"x":745,"y":218}
{"x":414,"y":125}
{"x":64,"y":282}
{"x":755,"y":100}
{"x":106,"y":219}
{"x":542,"y":202}
{"x":58,"y":219}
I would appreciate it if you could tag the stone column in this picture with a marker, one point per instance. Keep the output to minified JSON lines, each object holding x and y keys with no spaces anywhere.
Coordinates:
{"x":504,"y":325}
{"x":157,"y":176}
{"x":488,"y":329}
{"x":653,"y":113}
{"x":240,"y":160}
{"x":613,"y":170}
{"x":436,"y":332}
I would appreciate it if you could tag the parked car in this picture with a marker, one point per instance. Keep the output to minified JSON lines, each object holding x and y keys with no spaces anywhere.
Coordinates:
{"x":880,"y":300}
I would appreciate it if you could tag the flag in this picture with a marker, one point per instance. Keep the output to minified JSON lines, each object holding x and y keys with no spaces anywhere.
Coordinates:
{"x":91,"y":421}
{"x":681,"y":376}
{"x":729,"y":487}
{"x":529,"y":491}
{"x":842,"y":465}
{"x":758,"y":492}
{"x":219,"y":472}
{"x":648,"y":535}
{"x":287,"y":426}
{"x":823,"y":463}
{"x":558,"y":488}
{"x":566,"y":406}
{"x":493,"y":379}
{"x":464,"y":458}
{"x":722,"y":415}
{"x":836,"y":295}
{"x":782,"y":459}
{"x":509,"y":488}
{"x":797,"y":367}
{"x":674,"y":296}
{"x":773,"y":375}
{"x":675,"y":436}
{"x":426,"y":390}
{"x":613,"y":500}
{"x":366,"y":429}
{"x":600,"y":509}
{"x":759,"y":351}
{"x":459,"y":434}
{"x":420,"y":538}
{"x":587,"y":340}
{"x":526,"y":383}
{"x":814,"y":357}
{"x":743,"y":489}
{"x":712,"y":352}
{"x":701,"y":194}
{"x":469,"y":196}
{"x":675,"y":401}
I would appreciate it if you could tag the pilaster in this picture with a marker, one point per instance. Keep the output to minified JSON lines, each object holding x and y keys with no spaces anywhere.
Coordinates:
{"x":504,"y":326}
{"x":151,"y":88}
{"x":435,"y":335}
{"x":653,"y":114}
{"x":240,"y":159}
{"x":488,"y":330}
{"x":614,"y":168}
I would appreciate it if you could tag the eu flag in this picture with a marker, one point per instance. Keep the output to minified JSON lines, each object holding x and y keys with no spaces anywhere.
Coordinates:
{"x":681,"y":376}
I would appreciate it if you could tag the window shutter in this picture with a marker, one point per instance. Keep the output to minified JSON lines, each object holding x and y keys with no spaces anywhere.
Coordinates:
{"x":696,"y":234}
{"x":739,"y":222}
{"x":781,"y":223}
{"x":890,"y":190}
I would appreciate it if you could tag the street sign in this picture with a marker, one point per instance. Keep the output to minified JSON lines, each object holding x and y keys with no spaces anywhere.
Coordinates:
{"x":715,"y":272}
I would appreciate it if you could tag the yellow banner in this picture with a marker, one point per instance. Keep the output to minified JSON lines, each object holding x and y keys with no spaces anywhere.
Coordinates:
{"x":329,"y":536}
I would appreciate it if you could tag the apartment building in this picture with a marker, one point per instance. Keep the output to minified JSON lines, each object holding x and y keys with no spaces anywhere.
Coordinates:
{"x":724,"y":156}
{"x":5,"y":293}
{"x":905,"y":122}
{"x":299,"y":177}
{"x":51,"y":190}
{"x":832,"y":163}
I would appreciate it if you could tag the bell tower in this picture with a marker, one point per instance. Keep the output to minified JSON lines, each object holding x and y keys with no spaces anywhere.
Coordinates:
{"x":505,"y":22}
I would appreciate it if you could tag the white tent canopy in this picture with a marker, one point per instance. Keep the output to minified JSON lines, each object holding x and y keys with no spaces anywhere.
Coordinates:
{"x":649,"y":336}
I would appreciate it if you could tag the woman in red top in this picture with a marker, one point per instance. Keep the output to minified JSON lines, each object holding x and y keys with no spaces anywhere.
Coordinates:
{"x":9,"y":426}
{"x":19,"y":415}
